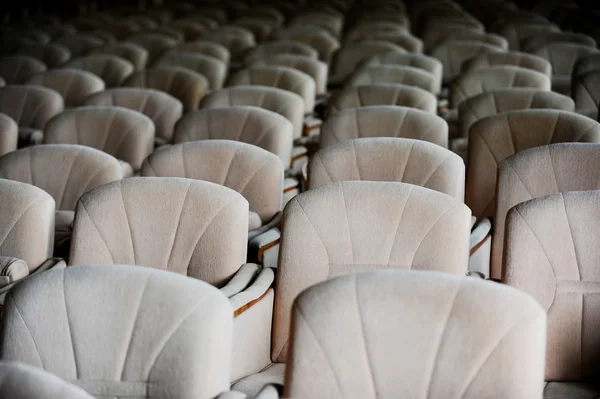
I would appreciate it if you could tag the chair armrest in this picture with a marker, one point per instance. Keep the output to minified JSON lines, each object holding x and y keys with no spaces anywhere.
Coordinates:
{"x":263,"y":242}
{"x":231,"y":395}
{"x":253,"y":294}
{"x":47,"y":265}
{"x":312,"y":126}
{"x":268,"y":392}
{"x":274,"y":222}
{"x":241,"y":280}
{"x":480,"y":248}
{"x":479,"y":234}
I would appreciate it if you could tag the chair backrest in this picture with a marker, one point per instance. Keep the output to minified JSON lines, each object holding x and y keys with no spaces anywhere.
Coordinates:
{"x":252,"y":125}
{"x":404,"y":345}
{"x":30,"y":106}
{"x":64,"y":171}
{"x":253,"y":172}
{"x":504,"y":100}
{"x":403,"y":39}
{"x":210,"y":49}
{"x":212,"y":69}
{"x":53,"y":55}
{"x":132,"y":52}
{"x":420,"y":61}
{"x":373,"y":95}
{"x":351,"y":56}
{"x":392,"y":74}
{"x":321,"y":40}
{"x":384,"y":121}
{"x":114,"y":332}
{"x":191,"y":227}
{"x":112,"y":69}
{"x":538,"y":172}
{"x":552,"y":255}
{"x":493,"y":139}
{"x":279,"y":77}
{"x":389,"y":159}
{"x":185,"y":85}
{"x":494,"y":78}
{"x":532,"y":43}
{"x":511,"y":58}
{"x":27,"y":228}
{"x":586,"y":64}
{"x":17,"y":69}
{"x":518,"y":33}
{"x":9,"y":134}
{"x":586,"y":93}
{"x":318,"y":70}
{"x":238,"y":45}
{"x":125,"y":134}
{"x":279,"y":47}
{"x":453,"y":53}
{"x":155,"y":43}
{"x":73,"y":85}
{"x":282,"y":102}
{"x":22,"y":381}
{"x":349,"y":227}
{"x":79,"y":44}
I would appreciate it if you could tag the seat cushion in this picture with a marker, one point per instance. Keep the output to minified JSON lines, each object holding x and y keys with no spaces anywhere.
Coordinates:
{"x":253,"y":384}
{"x":571,"y":390}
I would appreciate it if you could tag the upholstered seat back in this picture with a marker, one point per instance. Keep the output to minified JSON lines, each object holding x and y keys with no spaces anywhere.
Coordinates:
{"x":122,"y":331}
{"x":73,"y":85}
{"x":132,"y":52}
{"x":191,"y":227}
{"x":279,"y":47}
{"x":384,"y":121}
{"x":403,"y":334}
{"x":351,"y":56}
{"x":9,"y":134}
{"x":420,"y":61}
{"x":586,"y":92}
{"x":17,"y":69}
{"x":512,"y":58}
{"x":318,"y":70}
{"x":53,"y":55}
{"x":30,"y":106}
{"x":349,"y":227}
{"x":391,"y":74}
{"x":212,"y":69}
{"x":155,"y":43}
{"x":452,"y":54}
{"x":112,"y":69}
{"x":210,"y":49}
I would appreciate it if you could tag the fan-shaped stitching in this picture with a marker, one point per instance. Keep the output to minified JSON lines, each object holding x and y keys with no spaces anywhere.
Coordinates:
{"x":412,"y":145}
{"x":356,"y":155}
{"x":436,"y":168}
{"x":22,"y":110}
{"x":109,"y":129}
{"x":441,"y":339}
{"x":120,"y":188}
{"x":313,"y":226}
{"x":521,"y":180}
{"x":134,"y":325}
{"x":431,"y":229}
{"x":64,"y":289}
{"x":318,"y":157}
{"x":364,"y":338}
{"x":18,"y":218}
{"x":231,"y":160}
{"x":100,"y":171}
{"x":493,"y":349}
{"x":258,"y":169}
{"x":572,"y":238}
{"x":411,"y":188}
{"x":183,"y":202}
{"x":341,"y":187}
{"x":67,"y":179}
{"x":126,"y":135}
{"x":66,"y":92}
{"x":11,"y":296}
{"x":335,"y":377}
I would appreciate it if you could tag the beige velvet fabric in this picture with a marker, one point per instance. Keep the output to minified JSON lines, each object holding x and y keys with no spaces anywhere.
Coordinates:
{"x":210,"y":49}
{"x":384,"y":121}
{"x":237,"y":45}
{"x":538,"y":172}
{"x":389,"y":159}
{"x":27,"y":227}
{"x":452,"y":54}
{"x":9,"y":134}
{"x":279,"y":47}
{"x":125,"y":134}
{"x":164,"y":109}
{"x":535,"y":42}
{"x":318,"y":70}
{"x":586,"y":64}
{"x":495,"y":138}
{"x":551,"y":255}
{"x":322,"y":41}
{"x":279,"y":77}
{"x":21,"y":381}
{"x":512,"y":58}
{"x":253,"y":172}
{"x":212,"y":69}
{"x":403,"y":39}
{"x":436,"y":34}
{"x":252,"y":125}
{"x":79,"y":44}
{"x":191,"y":227}
{"x":30,"y":106}
{"x":348,"y":227}
{"x":112,"y":69}
{"x":114,"y":333}
{"x":73,"y":85}
{"x":586,"y":93}
{"x":390,"y":334}
{"x":518,"y":33}
{"x":64,"y":171}
{"x":493,"y":78}
{"x":155,"y":43}
{"x":391,"y":74}
{"x":132,"y":52}
{"x":351,"y":56}
{"x":17,"y":69}
{"x":563,"y":57}
{"x":420,"y":61}
{"x":51,"y":54}
{"x":185,"y":85}
{"x":282,"y":102}
{"x":504,"y":100}
{"x":374,"y":95}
